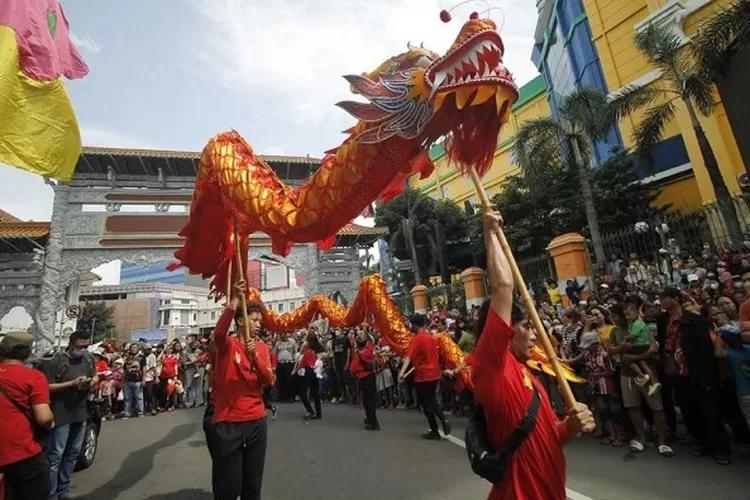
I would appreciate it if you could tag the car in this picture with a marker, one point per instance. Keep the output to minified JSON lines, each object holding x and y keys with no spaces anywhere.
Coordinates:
{"x":91,"y":436}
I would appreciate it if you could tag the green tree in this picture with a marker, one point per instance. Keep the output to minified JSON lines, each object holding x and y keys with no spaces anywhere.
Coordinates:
{"x":97,"y":320}
{"x":684,"y":83}
{"x":544,"y":146}
{"x":412,"y":219}
{"x":721,"y":36}
{"x":536,"y":212}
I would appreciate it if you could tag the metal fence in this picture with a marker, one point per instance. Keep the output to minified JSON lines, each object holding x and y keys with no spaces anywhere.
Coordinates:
{"x":680,"y":233}
{"x":451,"y":296}
{"x":537,"y":270}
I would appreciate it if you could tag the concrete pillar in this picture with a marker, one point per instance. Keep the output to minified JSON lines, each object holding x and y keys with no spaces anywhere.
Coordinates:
{"x":569,"y":254}
{"x":473,"y":280}
{"x":419,"y":294}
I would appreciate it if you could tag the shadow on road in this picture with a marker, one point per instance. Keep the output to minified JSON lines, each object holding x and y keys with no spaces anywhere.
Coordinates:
{"x":139,"y":463}
{"x":190,"y":494}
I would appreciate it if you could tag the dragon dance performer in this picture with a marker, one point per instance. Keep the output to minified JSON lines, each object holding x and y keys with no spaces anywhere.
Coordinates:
{"x":239,"y":422}
{"x":423,"y":354}
{"x":508,"y":394}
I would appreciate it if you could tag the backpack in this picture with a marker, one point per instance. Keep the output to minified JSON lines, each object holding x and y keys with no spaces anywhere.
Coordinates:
{"x":133,"y":372}
{"x":486,"y":462}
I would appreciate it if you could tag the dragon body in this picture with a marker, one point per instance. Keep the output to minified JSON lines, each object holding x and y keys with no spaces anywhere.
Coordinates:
{"x":413,"y":100}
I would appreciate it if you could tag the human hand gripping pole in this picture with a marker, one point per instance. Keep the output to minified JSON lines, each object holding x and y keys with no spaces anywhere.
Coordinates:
{"x":528,"y":302}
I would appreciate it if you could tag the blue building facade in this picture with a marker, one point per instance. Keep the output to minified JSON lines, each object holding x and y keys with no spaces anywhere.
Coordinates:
{"x":154,"y":273}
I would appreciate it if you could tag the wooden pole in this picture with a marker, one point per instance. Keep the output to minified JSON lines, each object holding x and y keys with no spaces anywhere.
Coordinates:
{"x":528,"y":302}
{"x":229,"y":282}
{"x":245,"y":332}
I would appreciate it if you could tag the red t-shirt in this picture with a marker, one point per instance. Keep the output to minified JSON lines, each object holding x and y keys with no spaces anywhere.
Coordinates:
{"x":274,"y":360}
{"x":308,"y":358}
{"x":168,"y":366}
{"x":423,"y":354}
{"x":502,"y":385}
{"x":238,"y":382}
{"x":28,"y":387}
{"x":360,"y":359}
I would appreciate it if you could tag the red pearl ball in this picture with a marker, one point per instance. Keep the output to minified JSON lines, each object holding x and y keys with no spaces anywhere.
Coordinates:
{"x":474,"y":16}
{"x":445,"y":16}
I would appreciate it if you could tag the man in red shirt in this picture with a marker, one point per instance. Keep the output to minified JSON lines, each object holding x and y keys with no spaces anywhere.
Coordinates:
{"x":24,"y":405}
{"x":239,"y":423}
{"x":504,"y":389}
{"x":423,"y":354}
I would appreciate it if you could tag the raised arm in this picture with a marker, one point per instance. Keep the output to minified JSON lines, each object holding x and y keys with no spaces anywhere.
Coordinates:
{"x":222,"y":326}
{"x":498,"y":268}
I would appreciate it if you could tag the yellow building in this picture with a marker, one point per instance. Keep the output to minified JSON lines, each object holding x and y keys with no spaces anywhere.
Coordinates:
{"x":590,"y":43}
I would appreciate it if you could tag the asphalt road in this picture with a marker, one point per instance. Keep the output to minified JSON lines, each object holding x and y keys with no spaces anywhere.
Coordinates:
{"x":164,"y":458}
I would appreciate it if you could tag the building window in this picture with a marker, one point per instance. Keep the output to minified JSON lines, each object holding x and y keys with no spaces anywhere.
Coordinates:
{"x":166,"y":302}
{"x":473,"y":201}
{"x":184,"y":301}
{"x":292,"y":305}
{"x":165,"y":317}
{"x":446,"y":192}
{"x":184,"y":317}
{"x":280,"y":307}
{"x":434,"y":194}
{"x":213,"y":315}
{"x":195,"y":317}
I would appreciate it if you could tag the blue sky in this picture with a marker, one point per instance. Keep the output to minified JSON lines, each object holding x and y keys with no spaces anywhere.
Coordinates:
{"x":168,"y":74}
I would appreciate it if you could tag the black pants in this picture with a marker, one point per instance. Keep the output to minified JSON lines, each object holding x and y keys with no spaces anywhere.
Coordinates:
{"x":700,"y":409}
{"x":239,"y":459}
{"x":27,"y":479}
{"x":149,"y":396}
{"x":267,"y":398}
{"x":284,"y":382}
{"x":731,"y":412}
{"x":369,"y":398}
{"x":310,"y":381}
{"x":208,"y":428}
{"x":428,"y":400}
{"x":339,"y":366}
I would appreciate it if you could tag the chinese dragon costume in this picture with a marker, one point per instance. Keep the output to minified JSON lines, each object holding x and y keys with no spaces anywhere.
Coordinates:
{"x":414,"y":100}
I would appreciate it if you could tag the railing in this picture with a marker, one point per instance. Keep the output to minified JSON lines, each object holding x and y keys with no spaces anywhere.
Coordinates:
{"x":679,"y":233}
{"x":537,"y":270}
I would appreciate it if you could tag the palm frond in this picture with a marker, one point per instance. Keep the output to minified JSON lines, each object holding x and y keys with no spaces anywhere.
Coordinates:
{"x":699,"y":89}
{"x":664,"y":49}
{"x":631,"y":98}
{"x":722,"y":35}
{"x":588,"y":110}
{"x":649,"y":132}
{"x":538,"y":137}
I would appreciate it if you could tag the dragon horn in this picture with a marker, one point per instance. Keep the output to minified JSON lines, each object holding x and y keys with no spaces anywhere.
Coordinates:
{"x":421,"y":45}
{"x":408,"y":45}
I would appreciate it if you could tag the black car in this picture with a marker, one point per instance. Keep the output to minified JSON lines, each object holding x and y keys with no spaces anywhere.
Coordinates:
{"x":91,"y":436}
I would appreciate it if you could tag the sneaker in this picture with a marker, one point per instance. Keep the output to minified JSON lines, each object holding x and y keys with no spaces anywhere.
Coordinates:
{"x":308,"y":416}
{"x":641,"y":381}
{"x":654,"y":388}
{"x":374,"y":427}
{"x":432,"y":436}
{"x":273,"y":412}
{"x":334,"y":401}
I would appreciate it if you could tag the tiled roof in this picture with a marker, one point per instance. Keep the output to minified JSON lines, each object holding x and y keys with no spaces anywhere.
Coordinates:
{"x":355,"y":229}
{"x":11,"y":230}
{"x":190,"y":155}
{"x":6,"y":217}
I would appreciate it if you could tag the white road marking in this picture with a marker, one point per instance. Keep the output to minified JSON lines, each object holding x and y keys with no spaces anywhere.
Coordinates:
{"x":571,"y":494}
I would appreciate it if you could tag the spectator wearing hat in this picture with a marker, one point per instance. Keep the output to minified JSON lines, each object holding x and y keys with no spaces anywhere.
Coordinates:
{"x":689,"y":366}
{"x":25,"y":407}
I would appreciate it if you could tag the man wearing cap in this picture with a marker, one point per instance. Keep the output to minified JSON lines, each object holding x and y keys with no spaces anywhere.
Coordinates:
{"x":690,"y":368}
{"x":24,"y":406}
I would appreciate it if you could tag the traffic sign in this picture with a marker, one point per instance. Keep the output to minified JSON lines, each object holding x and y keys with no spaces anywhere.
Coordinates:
{"x":73,"y":312}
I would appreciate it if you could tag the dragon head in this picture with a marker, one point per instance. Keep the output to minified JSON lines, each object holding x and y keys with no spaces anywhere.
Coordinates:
{"x":464,"y":96}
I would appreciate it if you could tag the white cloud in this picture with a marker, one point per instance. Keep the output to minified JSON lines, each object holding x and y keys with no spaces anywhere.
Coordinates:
{"x":295,"y":51}
{"x":109,"y":272}
{"x":85,"y":43}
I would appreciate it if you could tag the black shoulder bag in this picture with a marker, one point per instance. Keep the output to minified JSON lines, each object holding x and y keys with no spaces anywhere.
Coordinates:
{"x":486,"y":462}
{"x":41,"y":435}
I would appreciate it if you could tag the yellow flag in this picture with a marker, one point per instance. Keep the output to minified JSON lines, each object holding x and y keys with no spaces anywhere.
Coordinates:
{"x":38,"y":128}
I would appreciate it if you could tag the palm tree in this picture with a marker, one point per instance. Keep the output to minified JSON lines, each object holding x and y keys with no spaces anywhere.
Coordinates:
{"x":585,"y":116}
{"x":684,"y":82}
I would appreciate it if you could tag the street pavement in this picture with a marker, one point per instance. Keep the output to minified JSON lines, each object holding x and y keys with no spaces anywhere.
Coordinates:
{"x":165,"y":458}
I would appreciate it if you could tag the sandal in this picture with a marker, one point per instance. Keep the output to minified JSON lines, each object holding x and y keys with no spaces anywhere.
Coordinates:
{"x":665,"y":451}
{"x":723,"y":459}
{"x":636,"y":446}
